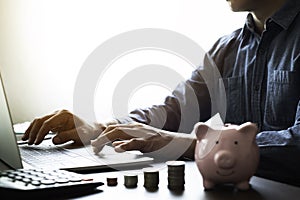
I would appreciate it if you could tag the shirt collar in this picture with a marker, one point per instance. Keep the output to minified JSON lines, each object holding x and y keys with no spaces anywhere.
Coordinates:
{"x":250,"y":23}
{"x":284,"y":17}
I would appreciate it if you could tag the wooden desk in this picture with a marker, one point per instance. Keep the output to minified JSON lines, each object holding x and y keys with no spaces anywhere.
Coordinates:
{"x":261,"y":188}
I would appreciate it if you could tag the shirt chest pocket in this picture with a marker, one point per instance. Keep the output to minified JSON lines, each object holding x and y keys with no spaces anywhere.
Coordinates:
{"x":282,"y":99}
{"x":235,"y":94}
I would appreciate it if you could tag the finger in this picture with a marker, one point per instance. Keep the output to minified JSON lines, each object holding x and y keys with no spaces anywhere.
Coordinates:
{"x":114,"y":126}
{"x":133,"y":144}
{"x":33,"y":129}
{"x":26,"y":134}
{"x":97,"y":149}
{"x":55,"y":122}
{"x":116,"y":143}
{"x":29,"y":129}
{"x":99,"y":143}
{"x":66,"y":136}
{"x":117,"y":133}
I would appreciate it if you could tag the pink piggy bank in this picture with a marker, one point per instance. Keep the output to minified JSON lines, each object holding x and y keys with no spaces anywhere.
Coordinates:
{"x":227,"y":154}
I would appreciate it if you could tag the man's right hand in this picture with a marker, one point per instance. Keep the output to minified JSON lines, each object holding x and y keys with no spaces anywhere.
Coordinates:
{"x":67,"y":127}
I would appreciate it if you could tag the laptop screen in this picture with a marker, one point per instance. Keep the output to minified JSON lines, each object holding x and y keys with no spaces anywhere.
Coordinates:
{"x":9,"y":151}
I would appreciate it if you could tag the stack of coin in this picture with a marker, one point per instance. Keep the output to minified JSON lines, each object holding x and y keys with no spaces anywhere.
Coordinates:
{"x":176,"y":175}
{"x":112,"y":181}
{"x":130,"y":181}
{"x":151,"y":179}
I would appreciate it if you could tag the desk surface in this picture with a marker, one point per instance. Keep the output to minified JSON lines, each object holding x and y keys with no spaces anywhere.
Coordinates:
{"x":261,"y":188}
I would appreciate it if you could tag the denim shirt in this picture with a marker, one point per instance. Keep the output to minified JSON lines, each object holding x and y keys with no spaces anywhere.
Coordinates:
{"x":261,"y":75}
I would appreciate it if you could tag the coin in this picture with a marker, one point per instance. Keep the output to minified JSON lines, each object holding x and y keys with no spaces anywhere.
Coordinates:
{"x":112,"y":181}
{"x":130,"y":181}
{"x":151,"y":178}
{"x":176,"y":175}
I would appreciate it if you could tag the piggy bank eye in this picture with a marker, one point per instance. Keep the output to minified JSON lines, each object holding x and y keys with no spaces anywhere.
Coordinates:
{"x":217,"y":142}
{"x":236,"y":142}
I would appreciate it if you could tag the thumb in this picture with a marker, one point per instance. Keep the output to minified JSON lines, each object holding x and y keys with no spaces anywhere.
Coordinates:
{"x":66,"y":136}
{"x":56,"y":140}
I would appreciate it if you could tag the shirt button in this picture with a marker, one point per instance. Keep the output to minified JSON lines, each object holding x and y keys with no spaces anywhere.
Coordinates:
{"x":261,"y":51}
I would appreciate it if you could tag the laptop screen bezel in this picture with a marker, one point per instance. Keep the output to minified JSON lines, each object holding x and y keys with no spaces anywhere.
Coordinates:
{"x":9,"y":150}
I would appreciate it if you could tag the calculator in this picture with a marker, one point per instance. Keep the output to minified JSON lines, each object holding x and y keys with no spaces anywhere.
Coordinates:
{"x":41,"y":181}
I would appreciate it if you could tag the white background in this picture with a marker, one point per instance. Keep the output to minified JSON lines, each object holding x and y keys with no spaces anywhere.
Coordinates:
{"x":43,"y":44}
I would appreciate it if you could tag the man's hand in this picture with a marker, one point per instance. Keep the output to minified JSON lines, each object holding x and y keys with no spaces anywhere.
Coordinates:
{"x":134,"y":136}
{"x":146,"y":139}
{"x":67,"y":127}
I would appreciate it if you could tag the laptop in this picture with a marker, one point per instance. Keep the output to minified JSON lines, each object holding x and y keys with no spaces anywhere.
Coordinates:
{"x":66,"y":156}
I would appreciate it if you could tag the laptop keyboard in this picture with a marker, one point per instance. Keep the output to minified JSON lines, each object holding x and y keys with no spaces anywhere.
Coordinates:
{"x":45,"y":156}
{"x":50,"y":156}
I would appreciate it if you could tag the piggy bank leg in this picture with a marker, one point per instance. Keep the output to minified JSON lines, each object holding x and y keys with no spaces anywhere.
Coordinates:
{"x":243,"y":185}
{"x":208,"y":185}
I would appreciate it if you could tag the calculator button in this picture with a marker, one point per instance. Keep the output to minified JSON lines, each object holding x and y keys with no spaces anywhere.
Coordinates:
{"x":11,"y":176}
{"x":36,"y":178}
{"x":41,"y":180}
{"x":62,"y":180}
{"x":19,"y":178}
{"x":50,"y":177}
{"x":75,"y":179}
{"x":26,"y":180}
{"x":47,"y":182}
{"x":35,"y":183}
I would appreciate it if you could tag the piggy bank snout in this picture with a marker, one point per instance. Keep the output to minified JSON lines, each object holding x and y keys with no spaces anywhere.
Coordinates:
{"x":224,"y":159}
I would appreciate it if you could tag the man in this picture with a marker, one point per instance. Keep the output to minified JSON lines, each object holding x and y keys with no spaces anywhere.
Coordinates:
{"x":260,"y":69}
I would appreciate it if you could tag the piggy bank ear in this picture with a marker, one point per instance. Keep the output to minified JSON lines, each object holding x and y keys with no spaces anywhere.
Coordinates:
{"x":200,"y":130}
{"x":249,"y":129}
